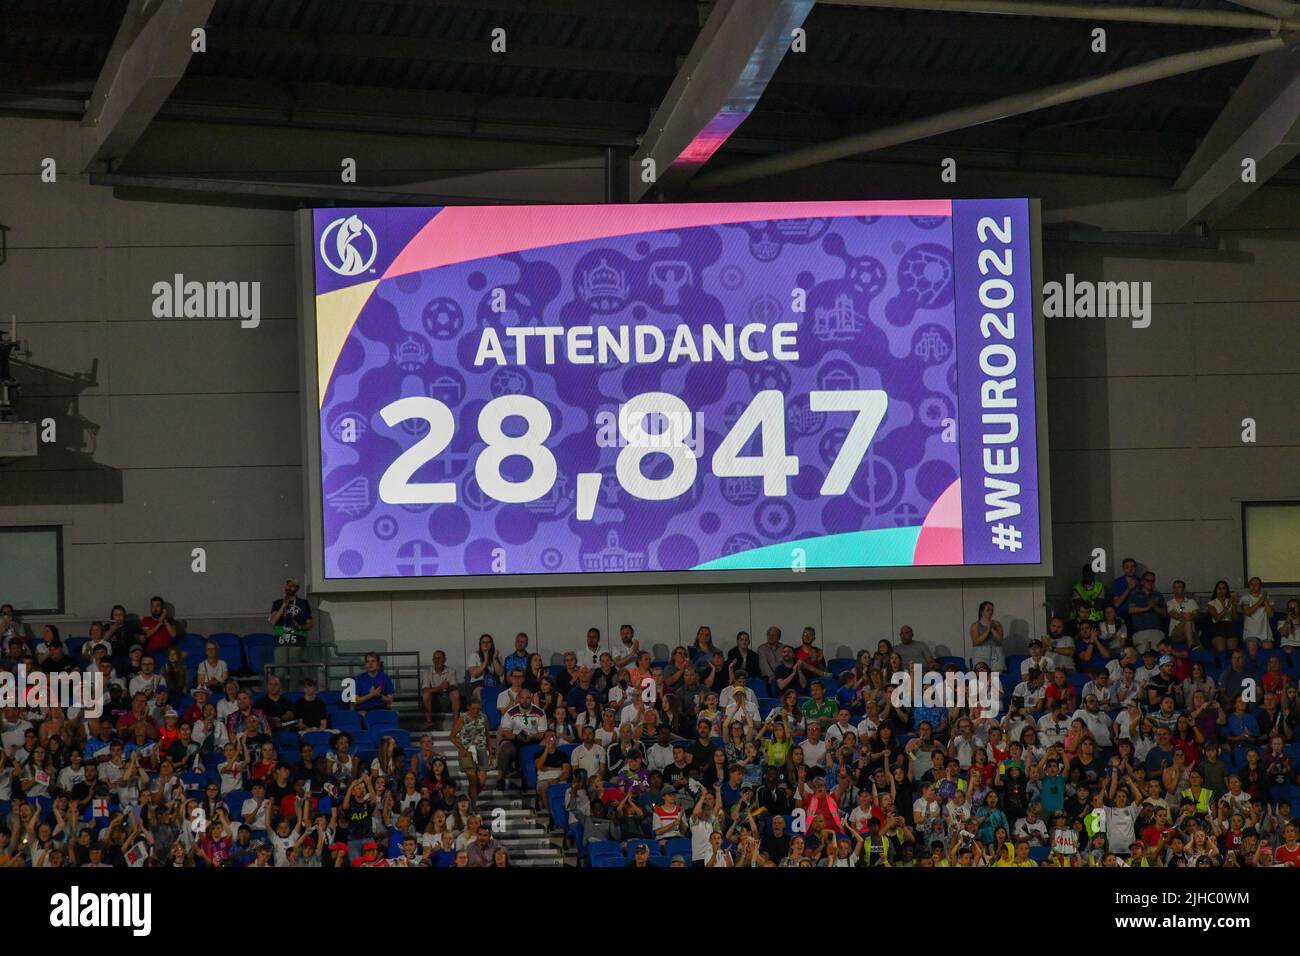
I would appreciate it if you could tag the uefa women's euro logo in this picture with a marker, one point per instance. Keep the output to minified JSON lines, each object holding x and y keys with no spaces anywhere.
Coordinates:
{"x":343,"y":254}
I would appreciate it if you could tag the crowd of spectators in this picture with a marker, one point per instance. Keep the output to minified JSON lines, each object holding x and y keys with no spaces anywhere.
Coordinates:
{"x":1139,"y":730}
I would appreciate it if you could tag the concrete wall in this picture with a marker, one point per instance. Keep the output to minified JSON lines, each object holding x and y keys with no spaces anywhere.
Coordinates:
{"x":189,"y":434}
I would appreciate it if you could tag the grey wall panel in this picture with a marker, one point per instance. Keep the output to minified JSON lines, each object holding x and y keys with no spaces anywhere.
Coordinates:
{"x":854,"y":616}
{"x":934,"y":613}
{"x":725,"y":610}
{"x":652,"y":612}
{"x":210,"y":504}
{"x":563,"y":618}
{"x":44,"y":286}
{"x":790,"y":608}
{"x":242,"y":576}
{"x":190,"y":431}
{"x":221,"y":357}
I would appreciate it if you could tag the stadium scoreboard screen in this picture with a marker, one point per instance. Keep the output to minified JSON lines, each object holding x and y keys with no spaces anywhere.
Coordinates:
{"x":531,"y":395}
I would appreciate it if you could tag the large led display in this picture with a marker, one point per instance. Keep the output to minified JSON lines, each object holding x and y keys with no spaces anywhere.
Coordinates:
{"x":702,"y":388}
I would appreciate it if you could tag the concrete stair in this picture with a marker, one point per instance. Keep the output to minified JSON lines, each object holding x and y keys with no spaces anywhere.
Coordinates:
{"x":527,"y":836}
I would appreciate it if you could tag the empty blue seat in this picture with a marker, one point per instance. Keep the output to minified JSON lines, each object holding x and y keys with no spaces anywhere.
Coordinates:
{"x":286,"y":738}
{"x":960,"y":662}
{"x":1039,"y":853}
{"x":348,"y":720}
{"x":258,"y":653}
{"x":194,"y":781}
{"x":235,"y":802}
{"x":678,"y":846}
{"x":319,"y":740}
{"x":72,"y":646}
{"x":381,"y":719}
{"x":840,"y":664}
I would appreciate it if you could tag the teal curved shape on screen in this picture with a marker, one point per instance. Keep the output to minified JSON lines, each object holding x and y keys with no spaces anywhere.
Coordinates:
{"x":878,"y":548}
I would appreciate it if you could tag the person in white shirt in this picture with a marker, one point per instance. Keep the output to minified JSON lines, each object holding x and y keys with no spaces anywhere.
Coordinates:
{"x":230,"y":704}
{"x":1038,"y":657}
{"x":1149,"y":667}
{"x":588,"y":755}
{"x":1054,"y":727}
{"x":1095,"y":719}
{"x":1101,"y":688}
{"x":1182,"y":608}
{"x":147,"y":681}
{"x":814,"y":747}
{"x":590,"y":652}
{"x":1256,"y":610}
{"x":660,"y":754}
{"x":1031,"y":691}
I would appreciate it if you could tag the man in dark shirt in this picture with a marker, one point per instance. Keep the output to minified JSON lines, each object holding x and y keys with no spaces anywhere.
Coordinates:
{"x":57,"y":661}
{"x":311,"y":710}
{"x":774,"y":796}
{"x":701,"y":750}
{"x":789,"y":674}
{"x":742,"y":658}
{"x":776,"y":845}
{"x":275,"y":705}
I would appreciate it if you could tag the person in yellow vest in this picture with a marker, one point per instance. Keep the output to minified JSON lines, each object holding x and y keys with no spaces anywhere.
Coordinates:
{"x":1198,"y":793}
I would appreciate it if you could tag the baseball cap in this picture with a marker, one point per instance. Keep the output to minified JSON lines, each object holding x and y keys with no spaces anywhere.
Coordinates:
{"x":1166,"y":660}
{"x":370,"y":845}
{"x":338,"y":847}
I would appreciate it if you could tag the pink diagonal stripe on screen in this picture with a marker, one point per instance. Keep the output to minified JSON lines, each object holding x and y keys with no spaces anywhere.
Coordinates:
{"x":465,"y":233}
{"x":940,"y":540}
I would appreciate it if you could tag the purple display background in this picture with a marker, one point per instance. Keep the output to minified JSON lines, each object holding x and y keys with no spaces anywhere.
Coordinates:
{"x":977,"y":530}
{"x":418,"y":334}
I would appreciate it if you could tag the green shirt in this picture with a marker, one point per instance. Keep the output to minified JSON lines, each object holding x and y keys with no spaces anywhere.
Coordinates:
{"x":823,"y":713}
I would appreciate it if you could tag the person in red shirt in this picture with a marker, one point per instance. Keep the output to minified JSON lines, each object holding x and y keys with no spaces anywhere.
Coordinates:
{"x":814,"y":661}
{"x":1288,"y":854}
{"x":1274,"y":679}
{"x":158,"y":630}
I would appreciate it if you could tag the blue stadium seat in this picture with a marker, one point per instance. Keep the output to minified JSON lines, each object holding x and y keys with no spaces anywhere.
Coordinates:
{"x":840,"y":664}
{"x":363,"y":739}
{"x":259,"y":650}
{"x":235,"y":801}
{"x":527,"y":756}
{"x":605,"y":849}
{"x":331,"y":698}
{"x":286,"y":738}
{"x":287,"y":752}
{"x":194,"y":781}
{"x":1013,"y":664}
{"x":400,"y":735}
{"x":381,"y":719}
{"x":1039,"y":853}
{"x":490,"y":708}
{"x":555,"y":806}
{"x":759,"y":686}
{"x":319,"y":740}
{"x":191,"y":646}
{"x":959,"y":661}
{"x":678,"y":846}
{"x":229,"y":649}
{"x":348,"y":720}
{"x":629,"y":846}
{"x":72,"y":646}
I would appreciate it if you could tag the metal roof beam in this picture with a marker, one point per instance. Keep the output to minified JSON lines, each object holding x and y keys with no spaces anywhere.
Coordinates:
{"x":1261,"y":123}
{"x":1274,"y":8}
{"x":1274,"y":15}
{"x":719,"y":84}
{"x":147,"y":60}
{"x":998,"y":109}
